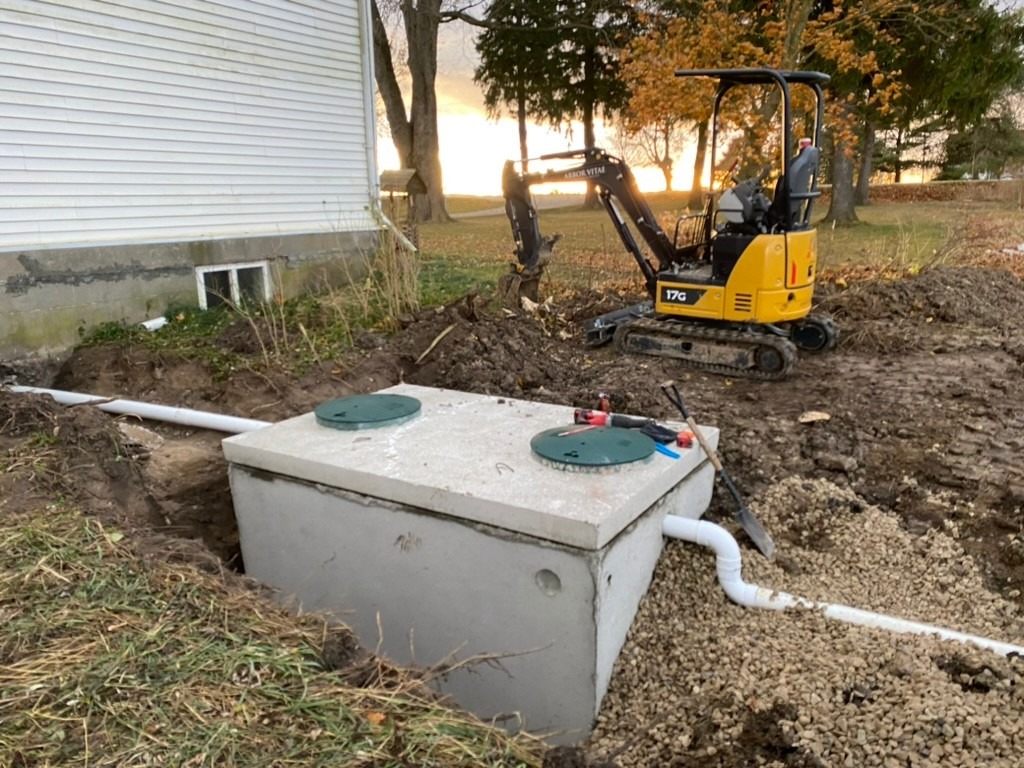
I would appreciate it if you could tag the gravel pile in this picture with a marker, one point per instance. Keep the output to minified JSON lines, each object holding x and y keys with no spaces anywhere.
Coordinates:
{"x":704,"y":682}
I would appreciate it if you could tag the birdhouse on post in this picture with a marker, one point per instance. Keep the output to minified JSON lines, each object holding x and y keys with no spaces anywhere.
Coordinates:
{"x":401,"y":185}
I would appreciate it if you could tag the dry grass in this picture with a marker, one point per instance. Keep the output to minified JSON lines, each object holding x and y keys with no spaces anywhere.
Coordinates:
{"x":380,"y":287}
{"x":996,"y":240}
{"x":377,"y":289}
{"x":113,"y":658}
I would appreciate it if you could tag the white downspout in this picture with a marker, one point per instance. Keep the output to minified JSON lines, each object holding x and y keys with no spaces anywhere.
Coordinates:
{"x":728,"y":565}
{"x":185,"y":416}
{"x":395,"y":231}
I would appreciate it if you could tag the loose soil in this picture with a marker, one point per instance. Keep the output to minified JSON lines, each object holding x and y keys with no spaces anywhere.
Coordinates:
{"x":925,"y":398}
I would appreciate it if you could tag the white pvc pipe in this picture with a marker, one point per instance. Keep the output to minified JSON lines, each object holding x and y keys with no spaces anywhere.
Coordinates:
{"x":185,"y":416}
{"x":155,"y":324}
{"x":728,"y":565}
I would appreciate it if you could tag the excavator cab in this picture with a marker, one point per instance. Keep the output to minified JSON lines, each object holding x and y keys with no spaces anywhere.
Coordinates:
{"x":769,"y":240}
{"x":731,"y":291}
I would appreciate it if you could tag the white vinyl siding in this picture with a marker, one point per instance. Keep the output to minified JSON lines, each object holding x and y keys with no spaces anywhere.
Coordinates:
{"x":128,"y":121}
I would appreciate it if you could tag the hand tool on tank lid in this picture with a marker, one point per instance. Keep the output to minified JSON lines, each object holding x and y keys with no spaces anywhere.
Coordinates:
{"x":750,"y":524}
{"x":657,"y":432}
{"x":584,"y":428}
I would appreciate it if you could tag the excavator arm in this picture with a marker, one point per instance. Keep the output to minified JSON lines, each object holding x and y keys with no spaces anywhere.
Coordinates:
{"x":619,"y":195}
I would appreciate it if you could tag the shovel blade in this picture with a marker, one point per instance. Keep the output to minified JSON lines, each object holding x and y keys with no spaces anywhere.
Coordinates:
{"x":753,"y":528}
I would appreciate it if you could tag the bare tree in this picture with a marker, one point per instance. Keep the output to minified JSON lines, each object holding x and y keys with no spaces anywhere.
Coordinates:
{"x":414,"y":132}
{"x":652,"y":144}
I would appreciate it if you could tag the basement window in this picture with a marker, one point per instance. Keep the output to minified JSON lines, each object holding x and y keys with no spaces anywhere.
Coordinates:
{"x":235,"y":283}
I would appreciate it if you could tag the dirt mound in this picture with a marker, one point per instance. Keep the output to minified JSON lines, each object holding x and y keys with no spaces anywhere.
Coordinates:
{"x":895,"y":315}
{"x":962,"y":295}
{"x":76,"y":454}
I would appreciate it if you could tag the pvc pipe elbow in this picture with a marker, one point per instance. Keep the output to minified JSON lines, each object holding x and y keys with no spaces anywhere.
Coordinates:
{"x":728,"y":565}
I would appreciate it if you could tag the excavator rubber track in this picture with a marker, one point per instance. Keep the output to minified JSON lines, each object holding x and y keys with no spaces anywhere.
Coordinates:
{"x":737,"y":352}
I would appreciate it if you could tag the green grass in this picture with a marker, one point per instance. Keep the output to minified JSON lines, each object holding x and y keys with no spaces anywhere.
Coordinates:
{"x":112,"y":659}
{"x":898,"y":236}
{"x":443,"y":280}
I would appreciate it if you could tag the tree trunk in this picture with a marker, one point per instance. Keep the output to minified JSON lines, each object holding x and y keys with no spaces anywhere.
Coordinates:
{"x":390,"y":92}
{"x":589,"y":137}
{"x":695,"y":202}
{"x":665,"y":154}
{"x":863,"y":190}
{"x":421,"y":22}
{"x":521,"y":118}
{"x":841,"y":210}
{"x":666,"y":170}
{"x":415,"y":136}
{"x":797,"y":14}
{"x":898,"y":162}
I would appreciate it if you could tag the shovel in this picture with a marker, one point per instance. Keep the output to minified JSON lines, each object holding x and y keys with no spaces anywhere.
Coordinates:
{"x":744,"y":516}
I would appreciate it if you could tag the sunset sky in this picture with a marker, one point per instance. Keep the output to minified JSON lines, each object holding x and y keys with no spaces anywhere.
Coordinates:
{"x":473,"y":148}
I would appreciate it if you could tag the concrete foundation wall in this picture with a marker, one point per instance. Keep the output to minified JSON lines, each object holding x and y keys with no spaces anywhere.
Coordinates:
{"x":51,"y":297}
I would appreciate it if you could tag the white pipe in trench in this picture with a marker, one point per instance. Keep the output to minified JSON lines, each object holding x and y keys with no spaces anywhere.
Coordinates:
{"x":728,"y":565}
{"x":185,"y":416}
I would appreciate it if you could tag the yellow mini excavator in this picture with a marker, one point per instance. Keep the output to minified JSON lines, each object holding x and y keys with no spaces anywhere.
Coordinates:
{"x":731,"y":291}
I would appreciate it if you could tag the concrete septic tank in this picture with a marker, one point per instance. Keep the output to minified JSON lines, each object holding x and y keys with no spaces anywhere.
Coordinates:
{"x":444,"y":536}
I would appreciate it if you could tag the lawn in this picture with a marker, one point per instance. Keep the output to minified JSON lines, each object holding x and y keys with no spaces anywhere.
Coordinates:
{"x":475,"y":251}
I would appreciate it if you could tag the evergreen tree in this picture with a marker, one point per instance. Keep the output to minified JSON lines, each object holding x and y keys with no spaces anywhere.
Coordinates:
{"x":558,"y":67}
{"x":587,"y":60}
{"x":517,"y":59}
{"x":955,"y":60}
{"x":984,"y":151}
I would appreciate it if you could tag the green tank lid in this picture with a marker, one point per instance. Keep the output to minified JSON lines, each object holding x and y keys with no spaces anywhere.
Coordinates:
{"x":366,"y":411}
{"x":591,"y":449}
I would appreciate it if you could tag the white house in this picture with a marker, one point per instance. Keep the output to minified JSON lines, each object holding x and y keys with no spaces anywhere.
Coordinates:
{"x":152,"y":151}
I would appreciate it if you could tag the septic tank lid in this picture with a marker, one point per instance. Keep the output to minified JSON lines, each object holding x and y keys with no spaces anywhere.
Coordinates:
{"x":366,"y":411}
{"x":591,"y":449}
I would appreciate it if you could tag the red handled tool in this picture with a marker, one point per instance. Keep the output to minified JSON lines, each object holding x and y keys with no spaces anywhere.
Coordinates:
{"x":657,"y":432}
{"x":605,"y":419}
{"x":577,"y":430}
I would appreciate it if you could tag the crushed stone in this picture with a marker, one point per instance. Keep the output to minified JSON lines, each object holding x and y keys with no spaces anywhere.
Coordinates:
{"x":728,"y":685}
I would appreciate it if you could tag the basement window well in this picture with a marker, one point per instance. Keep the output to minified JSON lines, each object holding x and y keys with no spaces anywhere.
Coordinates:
{"x":235,"y":283}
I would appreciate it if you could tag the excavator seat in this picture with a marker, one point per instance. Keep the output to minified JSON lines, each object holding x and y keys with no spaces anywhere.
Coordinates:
{"x":693,"y":234}
{"x":792,"y":211}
